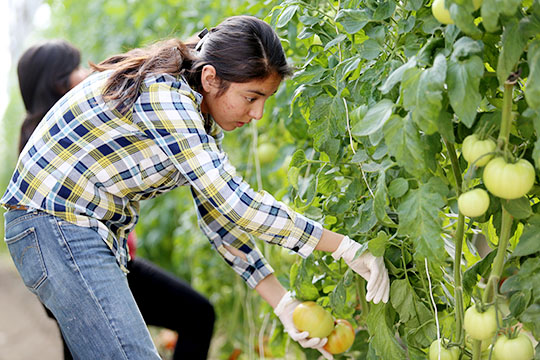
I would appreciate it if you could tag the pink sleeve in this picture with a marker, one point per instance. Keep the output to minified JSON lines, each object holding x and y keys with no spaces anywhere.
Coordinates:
{"x":132,"y":244}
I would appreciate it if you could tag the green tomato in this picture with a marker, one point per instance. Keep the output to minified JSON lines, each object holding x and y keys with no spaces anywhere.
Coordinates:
{"x":267,"y":152}
{"x":519,"y":348}
{"x":473,"y":203}
{"x":445,"y":354}
{"x":480,"y":326}
{"x":473,"y":149}
{"x":441,"y":13}
{"x":509,"y":181}
{"x":313,"y":318}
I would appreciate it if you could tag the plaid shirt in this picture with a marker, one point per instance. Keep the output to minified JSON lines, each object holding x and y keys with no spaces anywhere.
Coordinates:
{"x":89,"y":165}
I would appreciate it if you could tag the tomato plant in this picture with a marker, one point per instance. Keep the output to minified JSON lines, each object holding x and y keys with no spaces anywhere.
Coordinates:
{"x":473,"y":202}
{"x":507,"y":180}
{"x":477,"y":151}
{"x":341,"y":338}
{"x":437,"y":351}
{"x":517,"y":348}
{"x":313,"y":318}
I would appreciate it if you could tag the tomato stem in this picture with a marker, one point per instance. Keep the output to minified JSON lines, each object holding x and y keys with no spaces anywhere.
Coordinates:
{"x":458,"y":286}
{"x":361,"y":286}
{"x":506,"y":121}
{"x":458,"y":240}
{"x":451,"y":150}
{"x":476,"y":349}
{"x":498,"y":262}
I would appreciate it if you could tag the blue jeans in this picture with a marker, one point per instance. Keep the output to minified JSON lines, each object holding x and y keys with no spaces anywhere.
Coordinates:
{"x":74,"y":273}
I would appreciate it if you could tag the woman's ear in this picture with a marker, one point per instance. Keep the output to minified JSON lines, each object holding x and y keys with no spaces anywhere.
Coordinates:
{"x":209,"y":79}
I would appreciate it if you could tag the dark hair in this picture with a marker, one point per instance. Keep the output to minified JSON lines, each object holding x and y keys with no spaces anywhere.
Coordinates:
{"x":241,"y":49}
{"x":43,"y":71}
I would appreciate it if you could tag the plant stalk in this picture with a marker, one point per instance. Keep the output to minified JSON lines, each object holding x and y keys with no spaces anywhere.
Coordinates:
{"x":506,"y":121}
{"x":458,"y":242}
{"x":476,"y":350}
{"x":498,"y":262}
{"x":506,"y":222}
{"x":361,"y":286}
{"x":458,"y":283}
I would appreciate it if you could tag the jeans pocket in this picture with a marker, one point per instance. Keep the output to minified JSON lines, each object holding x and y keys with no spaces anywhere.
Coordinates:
{"x":28,"y":259}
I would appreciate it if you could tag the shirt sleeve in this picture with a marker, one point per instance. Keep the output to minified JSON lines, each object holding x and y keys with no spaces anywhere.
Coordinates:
{"x":221,"y":232}
{"x":171,"y":118}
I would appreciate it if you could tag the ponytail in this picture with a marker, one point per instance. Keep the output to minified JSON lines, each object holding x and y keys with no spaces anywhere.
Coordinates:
{"x":130,"y":69}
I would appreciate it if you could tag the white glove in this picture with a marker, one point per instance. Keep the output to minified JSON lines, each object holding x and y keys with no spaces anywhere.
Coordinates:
{"x":284,"y":311}
{"x":367,"y":266}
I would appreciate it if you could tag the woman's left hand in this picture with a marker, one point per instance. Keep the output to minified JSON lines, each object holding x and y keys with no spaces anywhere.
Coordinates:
{"x":368,"y":266}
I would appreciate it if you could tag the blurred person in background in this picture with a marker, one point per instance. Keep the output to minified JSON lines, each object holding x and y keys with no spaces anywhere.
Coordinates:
{"x":46,"y":72}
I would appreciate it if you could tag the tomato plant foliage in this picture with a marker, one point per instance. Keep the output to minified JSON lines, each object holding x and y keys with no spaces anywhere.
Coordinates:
{"x":388,"y":95}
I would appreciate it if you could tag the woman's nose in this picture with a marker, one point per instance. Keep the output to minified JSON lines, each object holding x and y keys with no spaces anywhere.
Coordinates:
{"x":256,"y":112}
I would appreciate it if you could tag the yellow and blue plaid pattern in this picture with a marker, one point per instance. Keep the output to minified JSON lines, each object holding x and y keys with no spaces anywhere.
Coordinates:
{"x":90,"y":165}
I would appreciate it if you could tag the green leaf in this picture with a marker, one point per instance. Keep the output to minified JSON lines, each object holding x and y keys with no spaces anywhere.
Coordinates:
{"x":377,"y":245}
{"x":338,"y":299}
{"x":298,"y":159}
{"x":492,"y":9}
{"x":383,"y":339}
{"x":429,"y":95}
{"x":480,"y":268}
{"x":513,"y":44}
{"x":519,"y":301}
{"x":374,"y":119}
{"x":292,"y":176}
{"x":518,"y":208}
{"x":528,"y":242}
{"x":461,"y":14}
{"x":404,"y":143}
{"x":401,"y":296}
{"x":466,"y":47}
{"x":384,"y":10}
{"x":303,"y":283}
{"x":353,"y":20}
{"x":396,"y":76}
{"x":419,"y":218}
{"x":370,"y":49}
{"x":381,"y":199}
{"x":367,"y":219}
{"x":398,"y":187}
{"x":532,"y":88}
{"x":286,"y":15}
{"x":463,"y":80}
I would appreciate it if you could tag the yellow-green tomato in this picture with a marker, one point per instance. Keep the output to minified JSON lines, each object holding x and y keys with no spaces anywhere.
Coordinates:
{"x":474,"y":150}
{"x":445,"y":354}
{"x":441,"y":13}
{"x":519,"y":348}
{"x":473,"y":203}
{"x":480,"y":325}
{"x":341,"y":338}
{"x":267,"y":152}
{"x":507,"y":180}
{"x":313,"y":318}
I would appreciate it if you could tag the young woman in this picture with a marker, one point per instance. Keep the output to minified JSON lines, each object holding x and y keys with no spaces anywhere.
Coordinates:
{"x":46,"y":72}
{"x":148,"y":121}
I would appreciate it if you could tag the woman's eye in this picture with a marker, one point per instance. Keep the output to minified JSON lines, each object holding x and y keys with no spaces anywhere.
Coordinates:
{"x":248,"y":99}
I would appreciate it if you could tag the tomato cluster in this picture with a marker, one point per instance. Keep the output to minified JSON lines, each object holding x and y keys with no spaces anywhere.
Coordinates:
{"x":318,"y":322}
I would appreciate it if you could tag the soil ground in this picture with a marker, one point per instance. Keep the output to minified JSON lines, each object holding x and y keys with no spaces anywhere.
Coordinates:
{"x":25,"y":330}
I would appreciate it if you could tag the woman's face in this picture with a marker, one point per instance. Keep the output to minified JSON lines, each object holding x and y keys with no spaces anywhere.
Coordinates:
{"x":240,"y":103}
{"x":77,"y":75}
